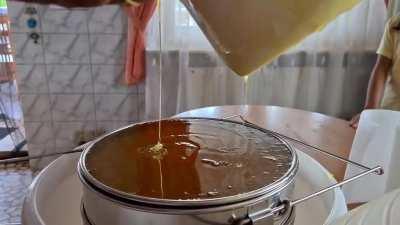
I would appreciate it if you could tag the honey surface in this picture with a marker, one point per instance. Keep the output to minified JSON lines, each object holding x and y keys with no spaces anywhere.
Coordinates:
{"x":199,"y":160}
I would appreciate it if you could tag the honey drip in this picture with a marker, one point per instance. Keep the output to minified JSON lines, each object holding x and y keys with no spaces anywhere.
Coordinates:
{"x":159,"y":146}
{"x":245,"y":92}
{"x":161,"y":178}
{"x":158,"y":150}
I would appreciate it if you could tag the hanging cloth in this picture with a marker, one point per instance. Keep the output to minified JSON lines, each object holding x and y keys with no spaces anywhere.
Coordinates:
{"x":7,"y":64}
{"x":138,"y":18}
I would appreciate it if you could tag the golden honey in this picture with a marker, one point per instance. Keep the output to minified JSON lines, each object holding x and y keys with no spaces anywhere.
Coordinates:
{"x":200,"y":159}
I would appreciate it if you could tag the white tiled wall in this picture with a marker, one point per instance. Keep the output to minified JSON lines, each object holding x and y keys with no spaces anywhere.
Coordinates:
{"x":72,"y":79}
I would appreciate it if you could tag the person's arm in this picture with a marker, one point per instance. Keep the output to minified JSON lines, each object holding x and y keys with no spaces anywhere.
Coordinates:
{"x":377,"y":82}
{"x":376,"y":86}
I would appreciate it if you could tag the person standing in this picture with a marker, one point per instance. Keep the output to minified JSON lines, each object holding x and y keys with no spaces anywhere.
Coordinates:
{"x":384,"y":84}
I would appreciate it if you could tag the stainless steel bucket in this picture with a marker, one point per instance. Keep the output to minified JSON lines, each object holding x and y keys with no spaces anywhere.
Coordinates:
{"x":98,"y":209}
{"x":104,"y":205}
{"x":210,"y":218}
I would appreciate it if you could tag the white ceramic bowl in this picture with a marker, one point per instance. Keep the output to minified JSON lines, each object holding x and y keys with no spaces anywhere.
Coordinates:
{"x":55,"y":195}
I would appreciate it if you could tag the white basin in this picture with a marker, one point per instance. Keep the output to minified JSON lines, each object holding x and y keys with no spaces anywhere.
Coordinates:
{"x":55,"y":195}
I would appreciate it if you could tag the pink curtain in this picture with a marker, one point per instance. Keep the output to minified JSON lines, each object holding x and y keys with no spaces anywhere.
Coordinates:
{"x":138,"y":18}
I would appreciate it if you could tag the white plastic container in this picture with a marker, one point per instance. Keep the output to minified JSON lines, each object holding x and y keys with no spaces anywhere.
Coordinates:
{"x":383,"y":211}
{"x":377,"y":142}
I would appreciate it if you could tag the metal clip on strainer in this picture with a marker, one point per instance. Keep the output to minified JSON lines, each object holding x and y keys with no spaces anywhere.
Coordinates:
{"x":251,"y":218}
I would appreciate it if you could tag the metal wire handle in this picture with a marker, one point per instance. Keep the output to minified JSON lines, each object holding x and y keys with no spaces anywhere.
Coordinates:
{"x":315,"y":148}
{"x":285,"y":205}
{"x":79,"y":148}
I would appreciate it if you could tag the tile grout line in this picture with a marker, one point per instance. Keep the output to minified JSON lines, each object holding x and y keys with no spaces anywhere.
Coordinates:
{"x":42,"y":43}
{"x":91,"y":70}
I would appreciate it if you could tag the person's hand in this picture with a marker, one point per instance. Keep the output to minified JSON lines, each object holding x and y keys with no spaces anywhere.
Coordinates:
{"x":354,"y":121}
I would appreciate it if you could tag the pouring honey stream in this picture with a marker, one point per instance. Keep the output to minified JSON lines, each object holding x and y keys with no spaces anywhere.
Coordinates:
{"x":159,"y":150}
{"x":253,"y":45}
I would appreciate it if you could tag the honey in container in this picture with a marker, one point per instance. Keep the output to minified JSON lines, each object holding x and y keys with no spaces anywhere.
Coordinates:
{"x":250,"y":33}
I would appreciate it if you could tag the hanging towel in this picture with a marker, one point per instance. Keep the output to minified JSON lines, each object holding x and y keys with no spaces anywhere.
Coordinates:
{"x":7,"y":64}
{"x":138,"y":18}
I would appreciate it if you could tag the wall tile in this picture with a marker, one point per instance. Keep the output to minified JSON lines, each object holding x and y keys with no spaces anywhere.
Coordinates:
{"x":40,"y":135}
{"x":112,"y":125}
{"x":141,"y":107}
{"x":66,"y":48}
{"x":18,"y":17}
{"x":109,"y":79}
{"x":36,"y":107}
{"x":141,"y":87}
{"x":116,"y":107}
{"x":26,"y":51}
{"x":107,"y":19}
{"x":31,"y":79}
{"x":61,"y":90}
{"x":69,"y":78}
{"x":72,"y":107}
{"x":108,"y":48}
{"x":64,"y":21}
{"x":65,"y":132}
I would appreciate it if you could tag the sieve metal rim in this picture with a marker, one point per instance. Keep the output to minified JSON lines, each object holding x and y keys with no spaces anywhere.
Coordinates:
{"x":267,"y":190}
